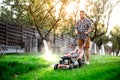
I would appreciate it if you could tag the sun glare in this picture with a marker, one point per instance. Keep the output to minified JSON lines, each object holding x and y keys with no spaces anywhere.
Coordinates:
{"x":82,"y":4}
{"x":57,"y":8}
{"x":71,"y":7}
{"x":48,"y":55}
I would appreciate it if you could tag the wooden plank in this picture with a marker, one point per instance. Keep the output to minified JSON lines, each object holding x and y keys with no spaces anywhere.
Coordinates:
{"x":14,"y":34}
{"x":28,"y":32}
{"x":14,"y":31}
{"x":2,"y":26}
{"x":2,"y":34}
{"x":14,"y":37}
{"x":29,"y":29}
{"x":27,"y":35}
{"x":2,"y":37}
{"x":15,"y":41}
{"x":12,"y":44}
{"x":14,"y":27}
{"x":18,"y":42}
{"x":2,"y":41}
{"x":2,"y":31}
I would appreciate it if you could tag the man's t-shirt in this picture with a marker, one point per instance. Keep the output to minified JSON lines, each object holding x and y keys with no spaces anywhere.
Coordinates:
{"x":83,"y":27}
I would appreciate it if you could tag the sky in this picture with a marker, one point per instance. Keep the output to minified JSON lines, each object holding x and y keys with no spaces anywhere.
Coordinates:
{"x":115,"y":18}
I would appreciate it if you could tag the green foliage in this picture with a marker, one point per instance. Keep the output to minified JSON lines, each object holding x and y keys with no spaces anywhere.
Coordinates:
{"x":115,"y":38}
{"x":98,"y":11}
{"x":15,"y":13}
{"x":103,"y":39}
{"x":4,"y":12}
{"x":32,"y":67}
{"x":67,"y":27}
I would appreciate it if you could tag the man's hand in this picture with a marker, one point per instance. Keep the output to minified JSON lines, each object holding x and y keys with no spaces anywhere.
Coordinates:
{"x":86,"y":32}
{"x":76,"y":31}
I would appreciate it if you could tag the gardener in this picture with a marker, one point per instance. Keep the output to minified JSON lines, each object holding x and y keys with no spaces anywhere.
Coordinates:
{"x":82,"y":28}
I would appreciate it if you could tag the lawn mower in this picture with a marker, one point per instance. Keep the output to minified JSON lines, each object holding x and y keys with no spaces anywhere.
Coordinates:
{"x":73,"y":58}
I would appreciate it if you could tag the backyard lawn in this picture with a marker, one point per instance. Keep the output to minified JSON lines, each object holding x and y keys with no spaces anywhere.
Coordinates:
{"x":35,"y":67}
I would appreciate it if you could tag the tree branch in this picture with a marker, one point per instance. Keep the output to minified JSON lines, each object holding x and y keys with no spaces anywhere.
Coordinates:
{"x":55,"y":21}
{"x":38,"y":8}
{"x":35,"y":23}
{"x":51,"y":28}
{"x":50,"y":10}
{"x":89,"y":18}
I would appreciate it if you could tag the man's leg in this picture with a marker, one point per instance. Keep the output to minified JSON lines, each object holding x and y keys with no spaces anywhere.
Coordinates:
{"x":80,"y":43}
{"x":87,"y":51}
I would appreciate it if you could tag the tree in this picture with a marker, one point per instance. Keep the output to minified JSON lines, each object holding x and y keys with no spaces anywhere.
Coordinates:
{"x":40,"y":13}
{"x":103,"y":39}
{"x":98,"y":11}
{"x":115,"y":39}
{"x":13,"y":12}
{"x":66,"y":26}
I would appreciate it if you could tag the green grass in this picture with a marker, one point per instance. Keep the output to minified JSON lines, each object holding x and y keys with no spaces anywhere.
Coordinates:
{"x":34,"y":67}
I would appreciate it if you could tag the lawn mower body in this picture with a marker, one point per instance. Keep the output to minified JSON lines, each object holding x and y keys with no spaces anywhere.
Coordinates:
{"x":69,"y":61}
{"x":74,"y":57}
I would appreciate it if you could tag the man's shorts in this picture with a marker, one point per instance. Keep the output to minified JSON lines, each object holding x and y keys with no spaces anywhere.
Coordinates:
{"x":81,"y":43}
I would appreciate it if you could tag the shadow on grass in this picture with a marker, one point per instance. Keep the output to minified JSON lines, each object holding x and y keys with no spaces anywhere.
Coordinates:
{"x":11,"y":69}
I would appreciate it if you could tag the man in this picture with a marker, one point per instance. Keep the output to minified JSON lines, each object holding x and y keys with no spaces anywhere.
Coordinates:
{"x":82,"y":29}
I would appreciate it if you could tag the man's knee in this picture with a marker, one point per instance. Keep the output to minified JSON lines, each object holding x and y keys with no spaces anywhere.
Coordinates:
{"x":87,"y":50}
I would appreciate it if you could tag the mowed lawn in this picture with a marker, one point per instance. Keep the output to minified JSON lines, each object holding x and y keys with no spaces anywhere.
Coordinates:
{"x":34,"y":67}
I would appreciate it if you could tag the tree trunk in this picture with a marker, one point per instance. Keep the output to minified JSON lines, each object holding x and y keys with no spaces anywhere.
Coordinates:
{"x":40,"y":44}
{"x":117,"y":52}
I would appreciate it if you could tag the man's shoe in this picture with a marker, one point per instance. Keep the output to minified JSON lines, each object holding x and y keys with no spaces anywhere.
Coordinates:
{"x":88,"y":63}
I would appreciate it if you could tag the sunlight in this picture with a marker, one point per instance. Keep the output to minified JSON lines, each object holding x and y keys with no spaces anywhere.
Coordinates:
{"x":82,"y":4}
{"x":74,"y":7}
{"x":71,"y":7}
{"x":57,"y":8}
{"x":114,"y":20}
{"x":48,"y":56}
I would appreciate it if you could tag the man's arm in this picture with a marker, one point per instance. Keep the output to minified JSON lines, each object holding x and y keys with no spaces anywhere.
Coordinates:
{"x":88,"y":31}
{"x":89,"y":28}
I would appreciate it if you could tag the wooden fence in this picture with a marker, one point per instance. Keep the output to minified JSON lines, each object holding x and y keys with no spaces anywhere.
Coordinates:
{"x":25,"y":39}
{"x":14,"y":36}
